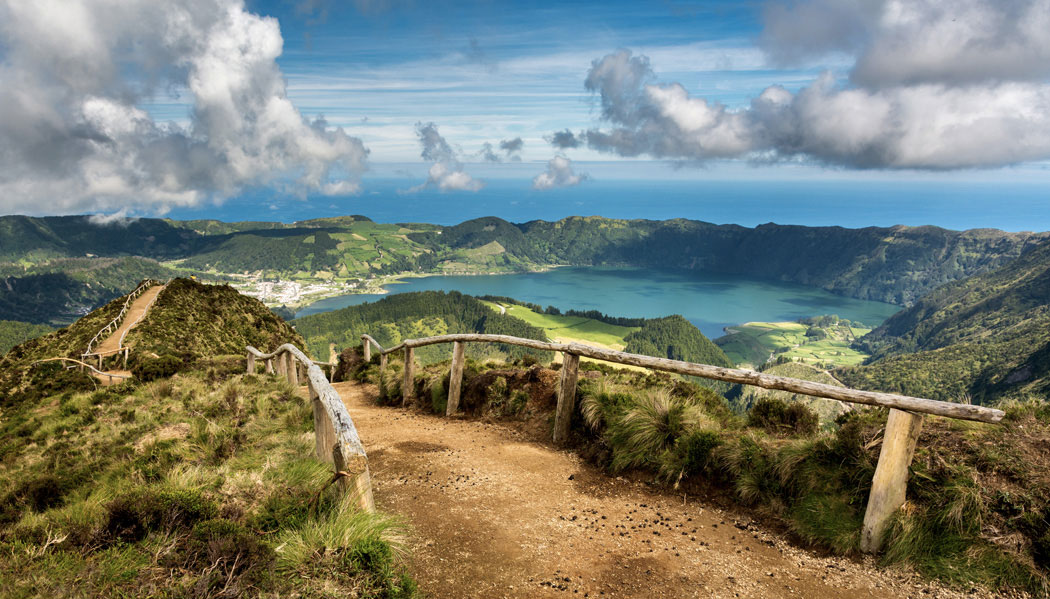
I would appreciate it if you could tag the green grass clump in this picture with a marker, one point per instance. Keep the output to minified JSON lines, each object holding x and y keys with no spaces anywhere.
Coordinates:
{"x":777,"y":416}
{"x":199,"y":485}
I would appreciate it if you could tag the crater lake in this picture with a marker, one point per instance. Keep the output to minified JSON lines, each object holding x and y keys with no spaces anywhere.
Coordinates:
{"x":710,"y":301}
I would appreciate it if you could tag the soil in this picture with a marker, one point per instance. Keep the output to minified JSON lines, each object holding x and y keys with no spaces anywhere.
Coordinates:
{"x":495,"y":513}
{"x":138,"y":307}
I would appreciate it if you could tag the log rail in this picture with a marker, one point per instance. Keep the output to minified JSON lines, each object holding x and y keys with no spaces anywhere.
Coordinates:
{"x":336,"y":438}
{"x":114,"y":324}
{"x":899,"y":439}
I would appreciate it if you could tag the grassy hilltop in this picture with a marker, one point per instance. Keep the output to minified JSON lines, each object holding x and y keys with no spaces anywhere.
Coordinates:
{"x":201,"y":483}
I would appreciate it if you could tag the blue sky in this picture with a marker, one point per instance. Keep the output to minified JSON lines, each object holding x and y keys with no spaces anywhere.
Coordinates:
{"x":488,"y":70}
{"x":168,"y":105}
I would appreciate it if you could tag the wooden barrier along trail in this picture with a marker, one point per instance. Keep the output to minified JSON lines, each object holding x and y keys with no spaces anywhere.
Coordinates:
{"x":336,"y":439}
{"x":899,"y":440}
{"x":110,"y":340}
{"x":106,"y":377}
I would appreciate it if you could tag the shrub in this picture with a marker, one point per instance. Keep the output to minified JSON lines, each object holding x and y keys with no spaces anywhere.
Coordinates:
{"x":131,"y":516}
{"x":228,"y":557}
{"x":496,"y":392}
{"x":651,"y":425}
{"x":777,"y":416}
{"x":151,"y":369}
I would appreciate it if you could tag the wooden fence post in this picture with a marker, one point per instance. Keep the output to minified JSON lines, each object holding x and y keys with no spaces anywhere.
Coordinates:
{"x":408,"y":384}
{"x":126,"y":350}
{"x":293,"y":368}
{"x":367,"y":349}
{"x":566,"y":396}
{"x":251,"y":363}
{"x":890,"y":483}
{"x":269,"y":366}
{"x":382,"y":375}
{"x":455,"y":378}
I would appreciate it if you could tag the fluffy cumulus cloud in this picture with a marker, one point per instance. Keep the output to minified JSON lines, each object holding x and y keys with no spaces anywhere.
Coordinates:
{"x":446,"y":173}
{"x":559,"y":173}
{"x":934,"y":85}
{"x":74,"y":137}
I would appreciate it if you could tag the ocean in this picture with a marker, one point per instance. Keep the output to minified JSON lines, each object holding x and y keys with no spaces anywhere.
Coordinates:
{"x":1006,"y":205}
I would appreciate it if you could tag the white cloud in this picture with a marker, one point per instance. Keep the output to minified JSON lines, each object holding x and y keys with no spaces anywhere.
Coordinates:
{"x":447,"y":171}
{"x":935,"y":85}
{"x":559,"y":174}
{"x":74,"y":137}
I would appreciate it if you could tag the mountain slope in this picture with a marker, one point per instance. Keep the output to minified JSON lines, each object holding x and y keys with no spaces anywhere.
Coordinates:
{"x":896,"y":265}
{"x":190,"y":323}
{"x":984,"y":337}
{"x":413,"y":315}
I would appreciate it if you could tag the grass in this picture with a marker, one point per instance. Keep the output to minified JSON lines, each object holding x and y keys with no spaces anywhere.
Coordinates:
{"x":752,"y":343}
{"x":198,"y":485}
{"x":571,"y":328}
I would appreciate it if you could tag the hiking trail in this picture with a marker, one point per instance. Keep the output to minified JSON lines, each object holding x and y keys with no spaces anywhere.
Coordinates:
{"x":496,"y":514}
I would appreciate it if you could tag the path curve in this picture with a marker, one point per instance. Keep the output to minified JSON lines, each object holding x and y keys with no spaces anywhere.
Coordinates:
{"x":134,"y":314}
{"x":496,"y":515}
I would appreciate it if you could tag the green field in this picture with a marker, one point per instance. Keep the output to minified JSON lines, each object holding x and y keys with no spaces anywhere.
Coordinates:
{"x":754,"y":343}
{"x":571,"y":328}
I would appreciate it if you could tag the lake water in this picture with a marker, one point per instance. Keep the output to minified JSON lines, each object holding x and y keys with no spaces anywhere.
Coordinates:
{"x":709,"y":301}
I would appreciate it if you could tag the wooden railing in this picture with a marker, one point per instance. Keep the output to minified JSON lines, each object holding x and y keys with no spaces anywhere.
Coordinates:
{"x":114,"y":324}
{"x":82,"y":365}
{"x":336,"y":437}
{"x":898,"y":442}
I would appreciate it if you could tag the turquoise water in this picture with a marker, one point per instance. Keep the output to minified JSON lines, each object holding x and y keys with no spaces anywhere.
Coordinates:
{"x":709,"y":301}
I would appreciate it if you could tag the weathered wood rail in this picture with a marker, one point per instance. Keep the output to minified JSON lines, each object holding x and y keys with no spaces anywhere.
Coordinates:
{"x":98,"y":373}
{"x":336,"y":436}
{"x":899,"y":439}
{"x":114,"y":324}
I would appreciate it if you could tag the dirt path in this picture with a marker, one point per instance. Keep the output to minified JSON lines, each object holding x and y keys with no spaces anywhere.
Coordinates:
{"x":495,"y":515}
{"x":138,"y":308}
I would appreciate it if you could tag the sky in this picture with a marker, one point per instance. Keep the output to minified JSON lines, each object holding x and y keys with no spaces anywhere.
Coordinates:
{"x":139,"y":107}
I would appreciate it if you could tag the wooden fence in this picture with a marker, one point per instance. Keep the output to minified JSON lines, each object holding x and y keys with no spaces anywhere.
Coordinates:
{"x":334,"y":432}
{"x":114,"y":324}
{"x":898,"y":443}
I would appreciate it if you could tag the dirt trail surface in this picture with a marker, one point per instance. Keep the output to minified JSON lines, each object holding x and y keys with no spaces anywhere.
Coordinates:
{"x":496,"y":515}
{"x":134,"y":314}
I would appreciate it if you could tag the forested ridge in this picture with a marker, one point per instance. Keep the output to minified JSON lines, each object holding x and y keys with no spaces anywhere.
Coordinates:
{"x":412,"y":315}
{"x":978,"y":339}
{"x":896,"y":264}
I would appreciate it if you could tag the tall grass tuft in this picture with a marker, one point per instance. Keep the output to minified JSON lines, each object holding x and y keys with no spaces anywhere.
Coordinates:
{"x":339,"y":531}
{"x":651,"y":426}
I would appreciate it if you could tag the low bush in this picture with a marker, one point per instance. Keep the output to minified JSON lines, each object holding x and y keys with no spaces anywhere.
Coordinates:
{"x":779,"y":417}
{"x":150,"y":369}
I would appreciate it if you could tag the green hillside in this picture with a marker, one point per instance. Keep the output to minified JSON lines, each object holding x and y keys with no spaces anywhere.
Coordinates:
{"x":59,"y":291}
{"x":13,"y":332}
{"x":827,"y":341}
{"x":567,"y":329}
{"x":897,"y":264}
{"x":198,"y":485}
{"x":826,"y":409}
{"x":413,"y":315}
{"x":189,"y":324}
{"x":675,"y":338}
{"x":979,"y":339}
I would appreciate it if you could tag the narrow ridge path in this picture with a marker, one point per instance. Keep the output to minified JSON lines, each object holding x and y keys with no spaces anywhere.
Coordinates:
{"x":138,"y":307}
{"x":494,"y":514}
